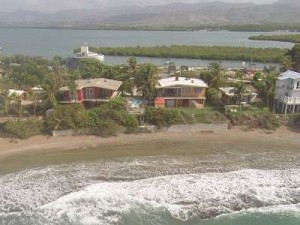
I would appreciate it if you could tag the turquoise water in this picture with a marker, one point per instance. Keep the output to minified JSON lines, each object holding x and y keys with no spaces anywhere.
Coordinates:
{"x":177,"y":190}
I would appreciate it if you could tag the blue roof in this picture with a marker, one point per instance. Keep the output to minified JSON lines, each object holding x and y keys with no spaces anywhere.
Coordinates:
{"x":289,"y":75}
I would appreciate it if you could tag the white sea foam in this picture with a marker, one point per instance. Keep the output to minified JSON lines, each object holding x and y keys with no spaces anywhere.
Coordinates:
{"x":183,"y":196}
{"x":102,"y":193}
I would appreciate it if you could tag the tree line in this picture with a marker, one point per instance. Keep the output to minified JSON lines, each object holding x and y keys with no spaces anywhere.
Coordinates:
{"x":198,"y":52}
{"x":294,"y":38}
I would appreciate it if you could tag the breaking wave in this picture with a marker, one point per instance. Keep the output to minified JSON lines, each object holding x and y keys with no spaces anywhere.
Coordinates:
{"x":100,"y":193}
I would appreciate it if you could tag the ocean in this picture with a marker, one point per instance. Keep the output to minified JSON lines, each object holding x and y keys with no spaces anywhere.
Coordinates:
{"x":216,"y":189}
{"x":52,"y":42}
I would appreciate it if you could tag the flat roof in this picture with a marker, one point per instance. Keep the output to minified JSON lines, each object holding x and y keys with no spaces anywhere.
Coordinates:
{"x":181,"y":81}
{"x":289,"y":75}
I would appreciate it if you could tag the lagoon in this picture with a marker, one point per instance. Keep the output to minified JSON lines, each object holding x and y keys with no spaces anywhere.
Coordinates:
{"x":62,"y":42}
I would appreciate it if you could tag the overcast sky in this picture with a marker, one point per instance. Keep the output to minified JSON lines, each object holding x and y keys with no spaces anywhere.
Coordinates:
{"x":55,"y":5}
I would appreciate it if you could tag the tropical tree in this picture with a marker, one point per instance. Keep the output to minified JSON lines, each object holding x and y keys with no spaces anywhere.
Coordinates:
{"x":128,"y":77}
{"x":294,"y":54}
{"x":239,"y":90}
{"x":52,"y":83}
{"x":217,"y":75}
{"x":215,"y":79}
{"x":146,"y":80}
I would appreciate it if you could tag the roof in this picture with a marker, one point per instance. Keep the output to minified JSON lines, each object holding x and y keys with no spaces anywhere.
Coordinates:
{"x":181,"y":81}
{"x":289,"y":75}
{"x":230,"y":91}
{"x":227,"y":90}
{"x":15,"y":92}
{"x":99,"y":83}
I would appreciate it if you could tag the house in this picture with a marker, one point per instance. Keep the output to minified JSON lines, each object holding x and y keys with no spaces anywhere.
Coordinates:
{"x":173,"y":92}
{"x":92,"y":91}
{"x":229,"y":97}
{"x":287,"y":92}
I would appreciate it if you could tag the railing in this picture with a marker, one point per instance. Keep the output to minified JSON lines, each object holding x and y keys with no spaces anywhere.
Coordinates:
{"x":292,"y":100}
{"x":185,"y":95}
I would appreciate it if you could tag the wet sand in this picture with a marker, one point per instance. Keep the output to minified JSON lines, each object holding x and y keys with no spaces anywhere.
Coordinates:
{"x":41,"y":150}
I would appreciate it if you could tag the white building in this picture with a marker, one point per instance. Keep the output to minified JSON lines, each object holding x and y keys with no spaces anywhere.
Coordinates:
{"x":287,"y":92}
{"x":84,"y":53}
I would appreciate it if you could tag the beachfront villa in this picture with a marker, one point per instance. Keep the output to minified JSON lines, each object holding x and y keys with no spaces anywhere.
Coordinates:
{"x":175,"y":92}
{"x":287,"y":92}
{"x":92,"y":91}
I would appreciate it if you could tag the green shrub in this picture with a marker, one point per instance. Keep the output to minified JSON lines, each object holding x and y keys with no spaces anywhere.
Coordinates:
{"x":254,"y":119}
{"x":66,"y":117}
{"x":109,"y":119}
{"x":162,"y":117}
{"x":23,"y":129}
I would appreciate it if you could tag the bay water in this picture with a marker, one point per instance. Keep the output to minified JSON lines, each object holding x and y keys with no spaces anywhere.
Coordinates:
{"x":52,"y":42}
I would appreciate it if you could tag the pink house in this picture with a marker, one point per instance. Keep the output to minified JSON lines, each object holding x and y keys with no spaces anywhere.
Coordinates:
{"x":91,"y":91}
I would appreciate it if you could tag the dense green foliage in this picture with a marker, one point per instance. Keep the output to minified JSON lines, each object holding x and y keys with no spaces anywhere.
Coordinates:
{"x":199,"y":52}
{"x":109,"y":119}
{"x":105,"y":120}
{"x":165,"y":117}
{"x":23,"y":129}
{"x":65,"y":117}
{"x":294,"y":38}
{"x":254,"y":118}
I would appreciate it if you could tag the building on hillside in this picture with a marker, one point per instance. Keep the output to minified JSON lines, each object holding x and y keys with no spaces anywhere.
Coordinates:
{"x":84,"y":53}
{"x":91,"y":92}
{"x":229,"y":97}
{"x":175,"y":92}
{"x":287,"y":92}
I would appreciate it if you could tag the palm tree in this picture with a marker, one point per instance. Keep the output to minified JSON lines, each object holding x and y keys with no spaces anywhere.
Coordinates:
{"x":215,"y":79}
{"x":217,"y":75}
{"x":53,"y":82}
{"x":239,"y":91}
{"x":146,"y":80}
{"x":129,"y":75}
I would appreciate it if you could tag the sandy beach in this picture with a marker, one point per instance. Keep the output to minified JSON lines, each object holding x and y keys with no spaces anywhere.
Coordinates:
{"x":44,"y":150}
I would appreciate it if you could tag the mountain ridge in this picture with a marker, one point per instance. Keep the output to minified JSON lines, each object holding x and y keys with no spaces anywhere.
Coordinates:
{"x":282,"y":11}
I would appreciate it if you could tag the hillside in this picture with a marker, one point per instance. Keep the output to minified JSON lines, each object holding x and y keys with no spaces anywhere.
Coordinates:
{"x":282,"y":11}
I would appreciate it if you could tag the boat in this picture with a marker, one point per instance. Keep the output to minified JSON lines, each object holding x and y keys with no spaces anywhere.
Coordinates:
{"x":85,"y":53}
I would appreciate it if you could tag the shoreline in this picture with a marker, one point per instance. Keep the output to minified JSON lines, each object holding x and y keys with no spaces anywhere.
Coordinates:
{"x":44,"y":150}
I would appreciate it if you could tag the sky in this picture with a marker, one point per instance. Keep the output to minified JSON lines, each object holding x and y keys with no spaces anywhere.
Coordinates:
{"x":55,"y":5}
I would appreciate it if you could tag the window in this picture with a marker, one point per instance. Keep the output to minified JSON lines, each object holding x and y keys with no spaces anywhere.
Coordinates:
{"x":89,"y":93}
{"x":298,"y":85}
{"x":197,"y":90}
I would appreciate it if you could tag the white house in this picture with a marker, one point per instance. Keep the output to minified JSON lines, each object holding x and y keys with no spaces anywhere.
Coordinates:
{"x":174,"y":92}
{"x":287,"y":92}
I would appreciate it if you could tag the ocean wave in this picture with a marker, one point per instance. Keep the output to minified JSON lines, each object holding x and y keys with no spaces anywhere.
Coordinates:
{"x":152,"y":191}
{"x":185,"y":197}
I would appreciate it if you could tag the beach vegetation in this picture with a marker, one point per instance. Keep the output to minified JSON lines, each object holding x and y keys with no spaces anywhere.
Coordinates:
{"x":110,"y":119}
{"x":253,"y":117}
{"x":22,"y":128}
{"x":166,"y":117}
{"x":64,"y":117}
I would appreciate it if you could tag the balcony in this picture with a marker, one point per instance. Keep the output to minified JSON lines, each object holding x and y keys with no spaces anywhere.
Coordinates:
{"x":292,"y":100}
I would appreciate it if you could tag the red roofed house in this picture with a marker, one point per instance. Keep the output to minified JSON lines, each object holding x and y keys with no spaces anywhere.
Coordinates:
{"x":92,"y":91}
